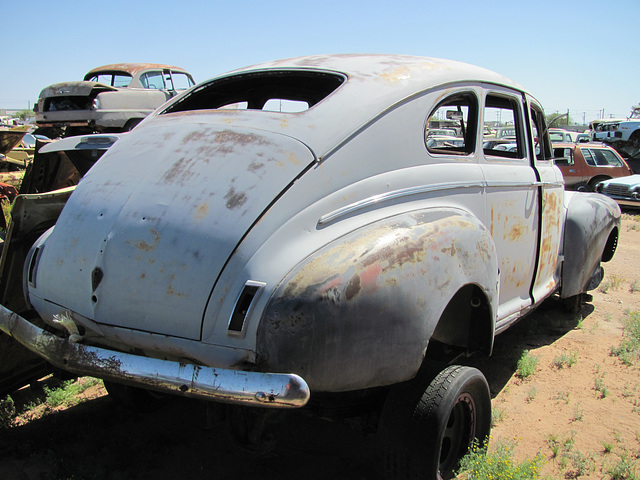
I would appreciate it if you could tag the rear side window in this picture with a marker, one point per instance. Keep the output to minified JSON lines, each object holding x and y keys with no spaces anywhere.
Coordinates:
{"x":502,"y":118}
{"x":153,"y":80}
{"x":600,"y":157}
{"x":111,"y":79}
{"x":279,"y":90}
{"x":451,"y":127}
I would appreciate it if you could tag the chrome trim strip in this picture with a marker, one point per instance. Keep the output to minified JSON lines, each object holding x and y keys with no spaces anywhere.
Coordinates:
{"x":384,"y":197}
{"x":224,"y":385}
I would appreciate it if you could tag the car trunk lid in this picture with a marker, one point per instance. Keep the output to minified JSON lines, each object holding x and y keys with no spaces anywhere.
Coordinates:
{"x":148,"y":230}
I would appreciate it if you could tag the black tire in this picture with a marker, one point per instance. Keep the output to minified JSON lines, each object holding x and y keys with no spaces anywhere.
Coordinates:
{"x":594,"y":181}
{"x":425,"y":431}
{"x":134,"y":398}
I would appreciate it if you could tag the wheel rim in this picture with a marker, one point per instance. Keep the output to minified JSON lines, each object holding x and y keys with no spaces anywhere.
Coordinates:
{"x":458,"y":433}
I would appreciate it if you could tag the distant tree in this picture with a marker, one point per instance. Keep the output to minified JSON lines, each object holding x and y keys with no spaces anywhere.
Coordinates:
{"x":23,"y":114}
{"x":635,"y":111}
{"x":558,"y":119}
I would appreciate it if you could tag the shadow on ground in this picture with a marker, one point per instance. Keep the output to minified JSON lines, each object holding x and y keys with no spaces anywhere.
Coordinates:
{"x":99,"y":440}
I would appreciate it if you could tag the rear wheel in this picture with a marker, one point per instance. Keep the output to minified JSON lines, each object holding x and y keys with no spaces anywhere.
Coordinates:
{"x":428,"y":424}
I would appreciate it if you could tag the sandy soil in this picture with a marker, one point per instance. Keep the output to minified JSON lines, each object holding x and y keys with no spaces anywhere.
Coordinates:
{"x":590,"y":411}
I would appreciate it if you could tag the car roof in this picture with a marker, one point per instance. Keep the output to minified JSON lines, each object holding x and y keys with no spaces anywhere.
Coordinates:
{"x":132,"y":68}
{"x":374,"y":85}
{"x":601,"y":146}
{"x":405,"y":73}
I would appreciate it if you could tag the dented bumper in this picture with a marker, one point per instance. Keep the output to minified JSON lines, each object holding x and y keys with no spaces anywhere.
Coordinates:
{"x":224,"y":385}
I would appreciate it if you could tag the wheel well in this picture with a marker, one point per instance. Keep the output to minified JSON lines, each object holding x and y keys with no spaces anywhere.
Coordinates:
{"x":597,"y":179}
{"x":466,"y":322}
{"x":610,"y":246}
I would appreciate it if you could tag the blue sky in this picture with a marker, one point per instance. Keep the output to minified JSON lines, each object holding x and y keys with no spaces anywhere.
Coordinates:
{"x":576,"y":55}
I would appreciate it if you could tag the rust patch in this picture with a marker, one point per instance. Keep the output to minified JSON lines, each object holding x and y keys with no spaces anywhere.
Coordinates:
{"x":516,"y":232}
{"x":235,"y":199}
{"x":142,"y":245}
{"x":202,"y":211}
{"x":353,"y":287}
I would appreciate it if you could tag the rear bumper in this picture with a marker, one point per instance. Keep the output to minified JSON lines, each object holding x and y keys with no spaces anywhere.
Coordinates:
{"x":224,"y":385}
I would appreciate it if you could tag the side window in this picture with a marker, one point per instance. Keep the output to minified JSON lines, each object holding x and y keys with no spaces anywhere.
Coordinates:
{"x":563,"y":156}
{"x":181,"y":81}
{"x":540,"y":135}
{"x":607,"y":157}
{"x":586,"y":153}
{"x":502,"y":116}
{"x":451,"y":127}
{"x":152,"y":80}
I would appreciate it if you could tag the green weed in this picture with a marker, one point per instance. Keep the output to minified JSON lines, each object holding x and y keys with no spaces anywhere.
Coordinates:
{"x":527,"y":364}
{"x":600,"y":387}
{"x":565,"y":360}
{"x":629,"y":349}
{"x":479,"y":464}
{"x":624,"y":469}
{"x":7,"y":412}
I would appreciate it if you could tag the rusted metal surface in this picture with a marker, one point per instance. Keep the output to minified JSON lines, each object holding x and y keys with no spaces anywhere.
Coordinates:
{"x":361,"y":311}
{"x":229,"y":386}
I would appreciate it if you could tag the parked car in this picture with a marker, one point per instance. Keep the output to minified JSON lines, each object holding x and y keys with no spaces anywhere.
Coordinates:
{"x":559,"y":135}
{"x":328,"y":259}
{"x":625,"y":190}
{"x":618,"y":131}
{"x":583,"y":166}
{"x":111,"y":98}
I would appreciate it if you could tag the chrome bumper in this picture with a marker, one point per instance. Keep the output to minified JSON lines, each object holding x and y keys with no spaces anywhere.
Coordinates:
{"x":224,"y":385}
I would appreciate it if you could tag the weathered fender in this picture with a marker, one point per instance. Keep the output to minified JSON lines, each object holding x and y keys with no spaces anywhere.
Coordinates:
{"x":360,"y":312}
{"x":591,"y":232}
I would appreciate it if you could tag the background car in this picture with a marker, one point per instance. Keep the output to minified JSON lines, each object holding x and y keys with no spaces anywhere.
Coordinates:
{"x":584,"y":165}
{"x":560,"y":135}
{"x":111,"y":98}
{"x":625,"y":190}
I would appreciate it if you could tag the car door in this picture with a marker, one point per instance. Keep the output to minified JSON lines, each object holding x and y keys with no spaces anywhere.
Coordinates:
{"x":550,"y":187}
{"x":512,"y":192}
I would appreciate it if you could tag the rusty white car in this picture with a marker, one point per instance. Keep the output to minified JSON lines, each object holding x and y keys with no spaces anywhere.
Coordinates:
{"x":110,"y":98}
{"x":286,"y":237}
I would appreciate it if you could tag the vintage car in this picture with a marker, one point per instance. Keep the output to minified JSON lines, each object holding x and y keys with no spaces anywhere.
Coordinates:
{"x":584,"y":165}
{"x":560,"y":135}
{"x":285,"y":237}
{"x":625,"y":191}
{"x":111,"y":98}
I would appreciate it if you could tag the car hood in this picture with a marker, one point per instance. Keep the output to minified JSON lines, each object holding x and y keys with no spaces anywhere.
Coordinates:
{"x":630,"y":181}
{"x":144,"y":237}
{"x":79,"y":89}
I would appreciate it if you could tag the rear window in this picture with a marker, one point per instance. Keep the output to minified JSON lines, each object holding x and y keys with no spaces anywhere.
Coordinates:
{"x":113,"y":79}
{"x":601,"y":157}
{"x":282,"y":91}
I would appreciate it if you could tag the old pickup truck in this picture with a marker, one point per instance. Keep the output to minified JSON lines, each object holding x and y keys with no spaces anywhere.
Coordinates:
{"x":285,"y":237}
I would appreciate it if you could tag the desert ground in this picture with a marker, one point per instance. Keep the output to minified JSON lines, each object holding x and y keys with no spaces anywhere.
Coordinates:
{"x":580,"y":408}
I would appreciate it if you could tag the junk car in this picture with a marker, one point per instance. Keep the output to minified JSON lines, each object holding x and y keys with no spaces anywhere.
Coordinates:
{"x":286,"y":237}
{"x":110,"y":98}
{"x":583,"y":166}
{"x":625,"y":191}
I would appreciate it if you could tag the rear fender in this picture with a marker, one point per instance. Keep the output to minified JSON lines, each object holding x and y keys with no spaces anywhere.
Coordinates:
{"x":360,"y":312}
